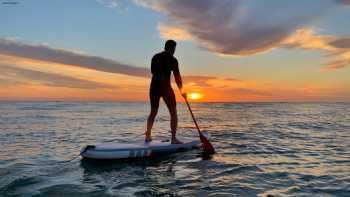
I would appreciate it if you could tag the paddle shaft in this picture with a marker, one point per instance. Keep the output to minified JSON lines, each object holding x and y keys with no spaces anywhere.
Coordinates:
{"x":194,"y":119}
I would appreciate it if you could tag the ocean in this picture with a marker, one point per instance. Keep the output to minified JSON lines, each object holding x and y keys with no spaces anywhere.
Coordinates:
{"x":263,"y":149}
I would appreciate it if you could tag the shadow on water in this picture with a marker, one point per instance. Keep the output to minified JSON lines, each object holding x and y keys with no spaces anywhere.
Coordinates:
{"x":157,"y":176}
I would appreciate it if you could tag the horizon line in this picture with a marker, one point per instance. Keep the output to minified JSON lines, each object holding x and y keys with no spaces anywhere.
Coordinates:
{"x":143,"y":101}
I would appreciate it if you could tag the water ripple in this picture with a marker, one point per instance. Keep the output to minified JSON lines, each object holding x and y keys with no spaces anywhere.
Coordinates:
{"x":263,"y":149}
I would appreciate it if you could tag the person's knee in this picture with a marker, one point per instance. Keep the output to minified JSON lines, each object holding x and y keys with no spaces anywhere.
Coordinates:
{"x":173,"y":113}
{"x":154,"y":112}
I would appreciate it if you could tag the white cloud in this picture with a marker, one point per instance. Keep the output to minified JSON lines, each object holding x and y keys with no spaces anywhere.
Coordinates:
{"x":248,"y":27}
{"x":240,"y":27}
{"x":337,"y":49}
{"x":109,"y":3}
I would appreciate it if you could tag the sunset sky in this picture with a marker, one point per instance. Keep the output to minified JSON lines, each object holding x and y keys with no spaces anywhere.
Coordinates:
{"x":228,"y":50}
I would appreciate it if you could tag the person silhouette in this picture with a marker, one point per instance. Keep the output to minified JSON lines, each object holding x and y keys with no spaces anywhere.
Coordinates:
{"x":162,"y":65}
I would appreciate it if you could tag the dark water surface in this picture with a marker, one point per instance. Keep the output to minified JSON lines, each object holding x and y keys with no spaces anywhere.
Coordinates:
{"x":277,"y":149}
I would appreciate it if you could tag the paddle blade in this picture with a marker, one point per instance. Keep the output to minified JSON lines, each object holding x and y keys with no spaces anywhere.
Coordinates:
{"x":208,"y":149}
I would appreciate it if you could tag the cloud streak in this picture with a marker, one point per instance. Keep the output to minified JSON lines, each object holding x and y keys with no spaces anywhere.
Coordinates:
{"x":70,"y":58}
{"x":12,"y":75}
{"x":45,"y":53}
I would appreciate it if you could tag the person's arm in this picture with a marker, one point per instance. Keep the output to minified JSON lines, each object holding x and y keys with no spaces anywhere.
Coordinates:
{"x":153,"y":65}
{"x":178,"y":79}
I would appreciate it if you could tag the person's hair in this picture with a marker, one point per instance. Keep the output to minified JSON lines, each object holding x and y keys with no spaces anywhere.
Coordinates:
{"x":170,"y":44}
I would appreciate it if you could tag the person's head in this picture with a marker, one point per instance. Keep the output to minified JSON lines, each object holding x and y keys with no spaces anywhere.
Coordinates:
{"x":170,"y":46}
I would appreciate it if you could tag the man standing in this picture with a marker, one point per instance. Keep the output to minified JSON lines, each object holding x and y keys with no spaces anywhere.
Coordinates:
{"x":162,"y":65}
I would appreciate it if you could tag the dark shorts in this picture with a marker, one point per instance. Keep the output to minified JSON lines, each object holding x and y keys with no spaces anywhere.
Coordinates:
{"x":168,"y":96}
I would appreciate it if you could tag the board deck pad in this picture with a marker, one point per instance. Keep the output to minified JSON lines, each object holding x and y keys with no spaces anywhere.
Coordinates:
{"x":137,"y":149}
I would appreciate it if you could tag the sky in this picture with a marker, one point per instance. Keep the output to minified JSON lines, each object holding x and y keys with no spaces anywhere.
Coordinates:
{"x":228,"y":50}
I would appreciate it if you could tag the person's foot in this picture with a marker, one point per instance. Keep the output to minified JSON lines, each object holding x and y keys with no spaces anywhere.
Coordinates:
{"x":176,"y":141}
{"x":148,"y":137}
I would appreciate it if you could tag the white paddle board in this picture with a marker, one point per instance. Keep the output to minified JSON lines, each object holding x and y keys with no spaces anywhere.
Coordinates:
{"x":137,"y":149}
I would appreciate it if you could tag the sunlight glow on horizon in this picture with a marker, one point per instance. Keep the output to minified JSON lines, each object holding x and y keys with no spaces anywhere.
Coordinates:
{"x":194,"y":96}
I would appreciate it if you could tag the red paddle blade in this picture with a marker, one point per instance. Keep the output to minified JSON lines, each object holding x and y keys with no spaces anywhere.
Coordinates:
{"x":208,"y":149}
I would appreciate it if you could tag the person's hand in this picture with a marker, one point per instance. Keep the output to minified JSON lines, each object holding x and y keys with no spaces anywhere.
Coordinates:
{"x":183,"y":93}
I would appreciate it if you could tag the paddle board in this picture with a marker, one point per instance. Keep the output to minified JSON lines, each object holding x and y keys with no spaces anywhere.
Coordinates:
{"x":137,"y":149}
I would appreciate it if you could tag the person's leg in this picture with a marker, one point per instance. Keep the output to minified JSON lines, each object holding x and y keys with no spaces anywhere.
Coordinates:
{"x":154,"y":98}
{"x":173,"y":125}
{"x":170,"y":101}
{"x":150,"y":122}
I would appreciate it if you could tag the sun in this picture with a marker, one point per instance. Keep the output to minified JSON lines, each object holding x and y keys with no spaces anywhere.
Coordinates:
{"x":194,"y":96}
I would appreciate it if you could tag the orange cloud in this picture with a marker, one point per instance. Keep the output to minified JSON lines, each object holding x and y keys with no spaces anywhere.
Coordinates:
{"x":226,"y":91}
{"x":42,"y":92}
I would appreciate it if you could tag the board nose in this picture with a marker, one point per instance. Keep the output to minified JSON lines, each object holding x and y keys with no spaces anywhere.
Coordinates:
{"x":83,"y":150}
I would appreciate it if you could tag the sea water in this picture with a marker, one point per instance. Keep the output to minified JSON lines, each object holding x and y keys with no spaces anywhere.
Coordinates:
{"x":263,"y":149}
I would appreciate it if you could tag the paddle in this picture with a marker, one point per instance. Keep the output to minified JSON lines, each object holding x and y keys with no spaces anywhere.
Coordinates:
{"x":208,"y":149}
